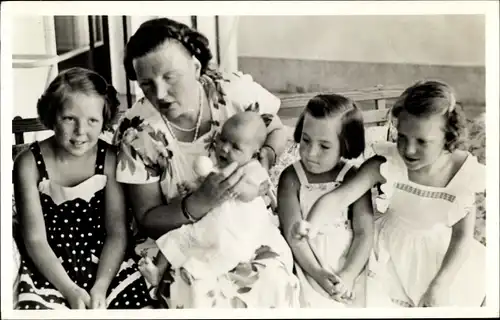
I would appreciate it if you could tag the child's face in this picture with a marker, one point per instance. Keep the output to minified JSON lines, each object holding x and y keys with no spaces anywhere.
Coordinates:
{"x":421,"y":140}
{"x":79,"y":123}
{"x":235,"y":143}
{"x":319,"y":145}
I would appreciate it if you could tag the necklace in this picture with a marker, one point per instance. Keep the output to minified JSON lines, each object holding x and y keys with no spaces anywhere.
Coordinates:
{"x":196,"y":128}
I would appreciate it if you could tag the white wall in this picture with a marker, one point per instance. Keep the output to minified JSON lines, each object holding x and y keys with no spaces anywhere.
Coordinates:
{"x":228,"y":31}
{"x":439,"y":39}
{"x":32,"y":35}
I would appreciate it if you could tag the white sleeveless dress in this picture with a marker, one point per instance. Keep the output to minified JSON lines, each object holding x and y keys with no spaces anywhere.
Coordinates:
{"x":330,"y":246}
{"x":413,"y":233}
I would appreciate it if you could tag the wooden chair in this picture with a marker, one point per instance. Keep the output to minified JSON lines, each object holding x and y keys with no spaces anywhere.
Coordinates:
{"x":21,"y":126}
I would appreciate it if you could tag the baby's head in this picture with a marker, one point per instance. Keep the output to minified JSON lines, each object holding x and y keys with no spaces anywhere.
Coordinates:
{"x":241,"y":139}
{"x":330,"y":127}
{"x":428,"y":121}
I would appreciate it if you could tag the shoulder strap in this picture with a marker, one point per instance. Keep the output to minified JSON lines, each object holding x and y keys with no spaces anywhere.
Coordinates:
{"x":340,"y":177}
{"x":300,"y":172}
{"x":40,"y":164}
{"x":102,"y":146}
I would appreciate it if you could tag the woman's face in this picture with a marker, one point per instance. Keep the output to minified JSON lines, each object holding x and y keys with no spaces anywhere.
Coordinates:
{"x":168,"y":77}
{"x":421,"y":139}
{"x":79,"y":123}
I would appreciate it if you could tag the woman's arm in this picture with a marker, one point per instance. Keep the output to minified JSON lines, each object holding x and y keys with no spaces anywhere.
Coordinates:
{"x":158,"y":218}
{"x":350,"y":191}
{"x":289,"y":213}
{"x":116,"y":227}
{"x":33,"y":225}
{"x":362,"y":225}
{"x":275,"y":143}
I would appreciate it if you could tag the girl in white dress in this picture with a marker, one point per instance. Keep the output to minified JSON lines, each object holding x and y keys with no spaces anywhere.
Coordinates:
{"x":424,"y":253}
{"x":329,"y":258}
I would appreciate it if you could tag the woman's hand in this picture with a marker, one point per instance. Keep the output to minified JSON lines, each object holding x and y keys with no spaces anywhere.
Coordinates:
{"x":215,"y":189}
{"x":98,"y":297}
{"x":78,"y":298}
{"x":267,"y":157}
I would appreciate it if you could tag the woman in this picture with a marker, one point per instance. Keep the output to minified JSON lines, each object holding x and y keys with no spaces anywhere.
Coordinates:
{"x":185,"y":104}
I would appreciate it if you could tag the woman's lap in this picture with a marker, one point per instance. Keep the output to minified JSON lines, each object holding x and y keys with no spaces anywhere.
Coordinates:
{"x":262,"y":283}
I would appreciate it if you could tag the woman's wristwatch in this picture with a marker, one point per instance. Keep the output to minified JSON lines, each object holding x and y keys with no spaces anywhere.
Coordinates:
{"x":185,"y":211}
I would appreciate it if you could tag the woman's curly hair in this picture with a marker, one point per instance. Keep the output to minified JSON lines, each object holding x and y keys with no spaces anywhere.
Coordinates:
{"x":76,"y":80}
{"x":431,"y":97}
{"x":153,"y":33}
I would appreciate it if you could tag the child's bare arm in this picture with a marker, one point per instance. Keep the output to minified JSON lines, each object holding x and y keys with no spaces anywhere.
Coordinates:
{"x":115,"y":224}
{"x":362,"y":243}
{"x":343,"y":196}
{"x":289,"y":213}
{"x":33,"y":225}
{"x":462,"y":237}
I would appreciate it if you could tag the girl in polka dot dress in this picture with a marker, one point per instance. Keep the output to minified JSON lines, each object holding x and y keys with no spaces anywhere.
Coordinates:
{"x":72,"y":210}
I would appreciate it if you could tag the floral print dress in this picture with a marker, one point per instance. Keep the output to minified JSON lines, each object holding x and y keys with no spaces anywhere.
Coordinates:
{"x":148,"y":153}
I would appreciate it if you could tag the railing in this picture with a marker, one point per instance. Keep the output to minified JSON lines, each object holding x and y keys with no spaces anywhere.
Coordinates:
{"x":293,"y":104}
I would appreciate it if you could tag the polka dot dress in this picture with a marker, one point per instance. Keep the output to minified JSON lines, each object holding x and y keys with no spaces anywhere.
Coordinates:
{"x":76,"y":233}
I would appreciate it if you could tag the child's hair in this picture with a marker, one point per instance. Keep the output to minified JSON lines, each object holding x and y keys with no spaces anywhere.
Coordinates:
{"x":431,"y":97}
{"x":76,"y":80}
{"x":352,"y":134}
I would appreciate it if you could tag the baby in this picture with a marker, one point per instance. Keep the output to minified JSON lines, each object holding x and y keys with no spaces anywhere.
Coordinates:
{"x":231,"y":232}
